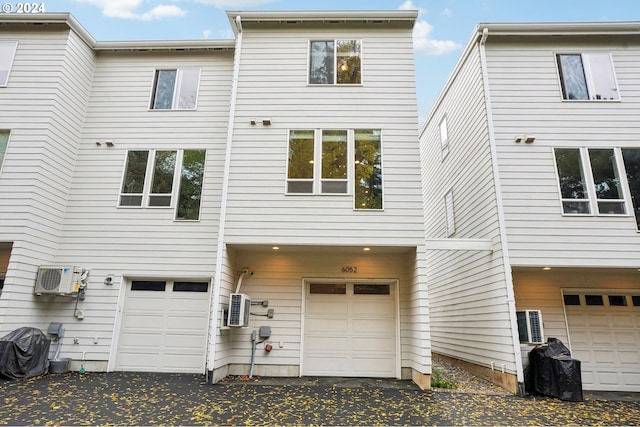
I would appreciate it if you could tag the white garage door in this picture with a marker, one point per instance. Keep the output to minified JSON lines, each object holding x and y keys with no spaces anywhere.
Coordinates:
{"x":164,"y":327}
{"x":350,"y":330}
{"x":604,"y":328}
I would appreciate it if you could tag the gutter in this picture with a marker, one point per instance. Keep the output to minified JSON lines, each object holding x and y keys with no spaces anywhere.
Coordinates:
{"x":511,"y":302}
{"x":217,"y":280}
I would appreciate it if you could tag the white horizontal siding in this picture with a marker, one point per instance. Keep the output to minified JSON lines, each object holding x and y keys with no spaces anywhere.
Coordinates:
{"x":278,"y":278}
{"x":273,"y":84}
{"x":469,"y":304}
{"x":43,"y":105}
{"x":526,"y":99}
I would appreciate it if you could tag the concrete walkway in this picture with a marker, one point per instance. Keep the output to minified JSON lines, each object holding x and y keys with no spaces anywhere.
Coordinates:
{"x":182,"y":399}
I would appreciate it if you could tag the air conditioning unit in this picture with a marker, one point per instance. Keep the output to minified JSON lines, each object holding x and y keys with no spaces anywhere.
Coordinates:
{"x":239,"y":308}
{"x":530,"y":326}
{"x":60,"y":280}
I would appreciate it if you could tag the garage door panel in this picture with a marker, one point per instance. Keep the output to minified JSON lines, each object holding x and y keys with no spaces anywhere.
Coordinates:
{"x":350,"y":335}
{"x":163,"y":331}
{"x":607,"y":341}
{"x":326,"y":326}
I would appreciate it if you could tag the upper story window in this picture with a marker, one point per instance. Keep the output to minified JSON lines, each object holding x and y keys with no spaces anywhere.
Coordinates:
{"x":587,"y":76}
{"x":335,"y":62}
{"x":7,"y":52}
{"x":631,"y":159}
{"x":4,"y":141}
{"x":319,"y":162}
{"x":151,"y":178}
{"x":175,"y":89}
{"x":581,"y":188}
{"x":444,"y":138}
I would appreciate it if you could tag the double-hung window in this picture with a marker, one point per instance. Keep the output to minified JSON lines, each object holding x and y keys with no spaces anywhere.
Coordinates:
{"x":590,"y":181}
{"x":7,"y":52}
{"x":156,"y":178}
{"x":325,"y":161}
{"x":587,"y":76}
{"x":175,"y":89}
{"x":335,"y":62}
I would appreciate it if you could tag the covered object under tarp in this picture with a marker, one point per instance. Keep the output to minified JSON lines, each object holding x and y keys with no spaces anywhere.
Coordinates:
{"x":553,"y":372}
{"x":24,"y":353}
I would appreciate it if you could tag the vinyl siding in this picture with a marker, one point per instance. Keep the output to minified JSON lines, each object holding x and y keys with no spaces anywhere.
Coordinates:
{"x":542,"y":290}
{"x":469,"y":307}
{"x":279,"y":277}
{"x":526,"y":99}
{"x":140,"y":242}
{"x":43,"y":106}
{"x":273,"y":84}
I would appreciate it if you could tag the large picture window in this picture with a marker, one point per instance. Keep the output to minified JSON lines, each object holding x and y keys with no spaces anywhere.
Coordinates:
{"x":7,"y":53}
{"x":326,"y":161}
{"x":151,"y":178}
{"x":587,"y":76}
{"x":335,"y":62}
{"x":175,"y":89}
{"x":587,"y":177}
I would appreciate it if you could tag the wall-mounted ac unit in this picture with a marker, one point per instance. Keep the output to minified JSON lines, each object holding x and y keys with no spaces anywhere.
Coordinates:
{"x":239,"y":308}
{"x":530,"y":326}
{"x":59,"y":280}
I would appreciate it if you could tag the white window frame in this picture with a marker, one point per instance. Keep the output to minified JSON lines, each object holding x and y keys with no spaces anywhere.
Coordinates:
{"x":176,"y":89}
{"x":3,"y":153}
{"x":317,"y":165}
{"x":335,"y":62}
{"x":444,"y":137}
{"x":590,"y":187}
{"x":590,"y":82}
{"x":148,"y":181}
{"x":7,"y":61}
{"x":449,"y":210}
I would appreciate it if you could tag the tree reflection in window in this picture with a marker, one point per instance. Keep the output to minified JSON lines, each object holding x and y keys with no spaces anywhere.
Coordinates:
{"x":191,"y":185}
{"x":368,"y":169}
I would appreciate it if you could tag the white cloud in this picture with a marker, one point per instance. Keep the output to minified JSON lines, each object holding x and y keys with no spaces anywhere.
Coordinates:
{"x":131,"y":9}
{"x":424,"y":45}
{"x":408,"y":5}
{"x":446,"y":12}
{"x":207,"y":33}
{"x":234,"y":4}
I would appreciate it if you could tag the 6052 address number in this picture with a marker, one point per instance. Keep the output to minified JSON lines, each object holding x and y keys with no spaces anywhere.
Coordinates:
{"x":350,"y":269}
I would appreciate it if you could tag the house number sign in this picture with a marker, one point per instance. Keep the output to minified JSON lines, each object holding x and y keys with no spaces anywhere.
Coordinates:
{"x":349,"y":269}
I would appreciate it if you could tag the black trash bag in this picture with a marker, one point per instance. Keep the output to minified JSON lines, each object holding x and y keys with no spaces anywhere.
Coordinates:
{"x":24,"y":353}
{"x":553,"y":372}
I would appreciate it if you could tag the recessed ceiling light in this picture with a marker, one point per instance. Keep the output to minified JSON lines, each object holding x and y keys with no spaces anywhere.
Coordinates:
{"x":275,"y":248}
{"x":546,"y":268}
{"x":366,"y":249}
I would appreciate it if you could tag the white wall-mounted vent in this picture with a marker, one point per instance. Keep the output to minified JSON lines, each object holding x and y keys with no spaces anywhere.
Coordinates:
{"x":239,"y":308}
{"x":59,"y":280}
{"x":530,"y":326}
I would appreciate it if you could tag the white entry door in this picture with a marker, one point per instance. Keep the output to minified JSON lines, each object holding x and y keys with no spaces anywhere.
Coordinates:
{"x":604,"y":329}
{"x":164,"y":327}
{"x":350,"y":330}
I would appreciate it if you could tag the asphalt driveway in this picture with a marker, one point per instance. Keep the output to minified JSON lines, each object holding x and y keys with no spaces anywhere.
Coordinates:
{"x":182,"y":399}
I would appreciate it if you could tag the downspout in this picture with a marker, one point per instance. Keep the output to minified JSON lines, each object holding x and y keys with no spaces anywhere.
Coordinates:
{"x":511,"y":302}
{"x":217,"y":280}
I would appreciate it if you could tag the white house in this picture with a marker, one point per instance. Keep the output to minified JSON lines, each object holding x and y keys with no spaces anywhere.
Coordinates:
{"x":281,"y":166}
{"x":531,"y":157}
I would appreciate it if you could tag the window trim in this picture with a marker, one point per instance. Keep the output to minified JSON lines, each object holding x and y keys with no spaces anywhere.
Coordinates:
{"x":11,"y":60}
{"x":335,"y":63}
{"x":148,"y":181}
{"x":588,"y":80}
{"x":444,"y":142}
{"x":176,"y":88}
{"x":590,"y":188}
{"x":317,"y":166}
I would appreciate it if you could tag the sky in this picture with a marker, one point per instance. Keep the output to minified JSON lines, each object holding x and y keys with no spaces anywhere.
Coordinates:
{"x":441,"y":31}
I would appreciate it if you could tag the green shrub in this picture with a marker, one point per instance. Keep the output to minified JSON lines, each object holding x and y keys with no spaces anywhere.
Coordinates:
{"x":438,"y":381}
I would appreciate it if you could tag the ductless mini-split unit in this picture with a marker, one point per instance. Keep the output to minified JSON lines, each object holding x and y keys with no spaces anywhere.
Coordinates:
{"x":64,"y":280}
{"x":239,"y":310}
